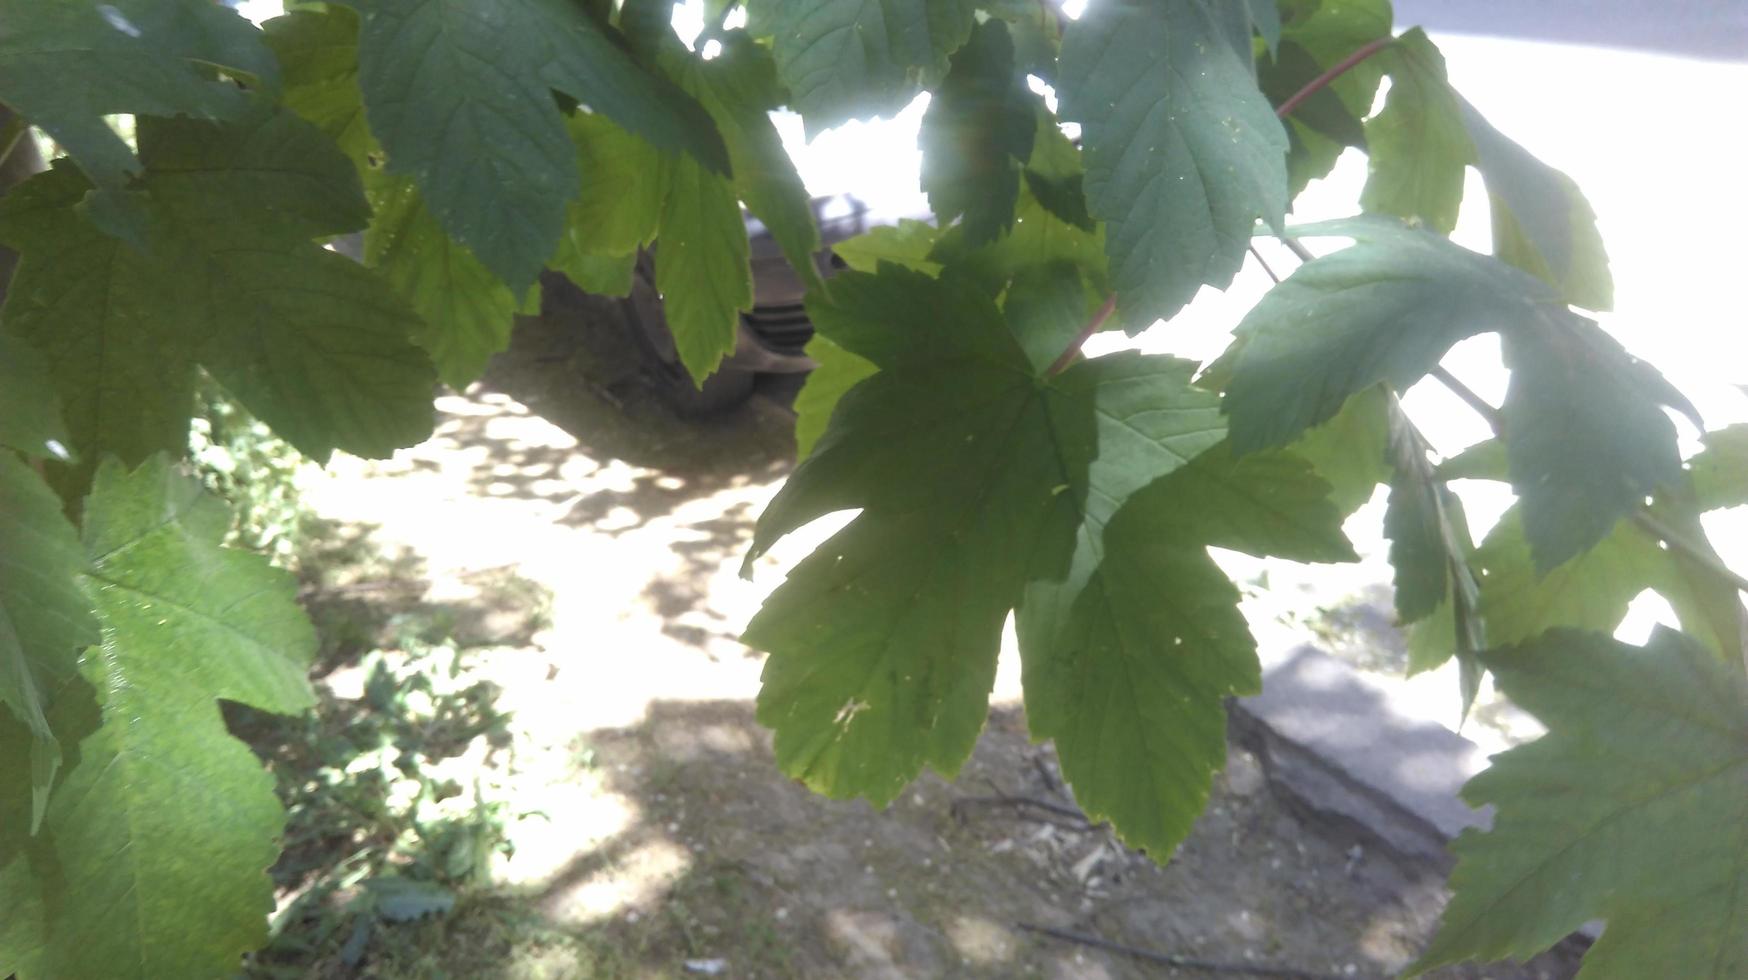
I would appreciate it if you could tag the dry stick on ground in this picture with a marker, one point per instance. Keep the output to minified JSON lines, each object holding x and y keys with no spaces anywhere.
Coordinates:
{"x":1174,"y":960}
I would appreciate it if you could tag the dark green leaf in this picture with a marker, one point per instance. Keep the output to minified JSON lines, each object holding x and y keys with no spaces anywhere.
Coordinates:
{"x":977,"y":132}
{"x":854,"y":59}
{"x":295,"y":182}
{"x":66,"y":65}
{"x":1417,"y":147}
{"x":1422,"y":524}
{"x":113,"y":324}
{"x":44,"y":618}
{"x":1630,"y":809}
{"x":466,"y":312}
{"x":1266,"y":18}
{"x":164,"y":827}
{"x":1183,"y":153}
{"x":1054,"y":173}
{"x":899,"y":616}
{"x":30,"y":410}
{"x":1047,"y":308}
{"x":1036,"y":31}
{"x":1386,"y":309}
{"x":1587,"y":439}
{"x":312,"y":343}
{"x":458,"y":91}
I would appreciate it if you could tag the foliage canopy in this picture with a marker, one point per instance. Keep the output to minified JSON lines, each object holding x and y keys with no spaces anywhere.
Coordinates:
{"x":996,"y":472}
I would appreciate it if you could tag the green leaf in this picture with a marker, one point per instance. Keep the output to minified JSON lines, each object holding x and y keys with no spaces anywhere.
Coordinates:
{"x":907,"y":243}
{"x":1054,"y":173}
{"x":458,"y":91}
{"x":112,"y":323}
{"x":837,"y":372}
{"x":1587,"y":440}
{"x":30,"y":410}
{"x":977,"y":132}
{"x":44,"y":618}
{"x":1130,"y":647}
{"x":317,"y":52}
{"x":67,"y":64}
{"x":702,"y":265}
{"x":1417,"y":148}
{"x":1630,"y":809}
{"x":1485,"y":460}
{"x":739,"y":88}
{"x":1422,"y":522}
{"x":1541,"y":221}
{"x":315,"y":345}
{"x":1590,"y":592}
{"x":1315,"y":36}
{"x":1720,"y":471}
{"x":619,"y":207}
{"x":164,"y":827}
{"x":294,"y":181}
{"x":466,"y":312}
{"x":1036,"y":32}
{"x":854,"y":59}
{"x":1348,"y":451}
{"x":1265,"y":17}
{"x":603,"y":275}
{"x":964,"y":464}
{"x":1183,"y":153}
{"x":1386,"y":309}
{"x":1047,"y":309}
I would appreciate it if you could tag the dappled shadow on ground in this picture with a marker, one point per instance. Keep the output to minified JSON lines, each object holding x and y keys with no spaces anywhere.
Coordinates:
{"x":708,"y":855}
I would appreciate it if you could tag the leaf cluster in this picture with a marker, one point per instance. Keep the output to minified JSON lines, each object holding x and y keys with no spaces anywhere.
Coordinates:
{"x":994,"y":472}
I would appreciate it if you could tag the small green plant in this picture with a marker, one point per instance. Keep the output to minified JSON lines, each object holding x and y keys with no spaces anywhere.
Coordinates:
{"x":377,"y":832}
{"x":242,"y":461}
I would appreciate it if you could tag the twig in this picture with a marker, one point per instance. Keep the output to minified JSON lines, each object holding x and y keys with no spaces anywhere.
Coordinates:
{"x":1092,"y":326}
{"x":1265,"y":264}
{"x":1337,"y":70}
{"x":1172,"y":959}
{"x":1022,"y":802}
{"x":1674,"y":539}
{"x":1482,"y":407}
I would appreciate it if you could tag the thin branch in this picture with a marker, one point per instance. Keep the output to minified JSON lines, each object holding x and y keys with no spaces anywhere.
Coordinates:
{"x":1092,"y":326}
{"x":1482,"y":406}
{"x":1674,"y":539}
{"x":1265,"y":264}
{"x":1174,"y":960}
{"x":1339,"y":69}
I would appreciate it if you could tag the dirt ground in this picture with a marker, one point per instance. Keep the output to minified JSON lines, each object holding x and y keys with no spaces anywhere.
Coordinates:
{"x":587,"y":542}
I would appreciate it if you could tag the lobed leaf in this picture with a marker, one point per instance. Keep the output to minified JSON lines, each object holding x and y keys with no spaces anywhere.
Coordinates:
{"x":1183,"y":153}
{"x":1631,"y":809}
{"x":976,"y":134}
{"x":854,"y":59}
{"x":1417,"y":148}
{"x":1384,"y":310}
{"x":1587,"y":439}
{"x":165,"y":825}
{"x":67,"y":64}
{"x":459,"y":93}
